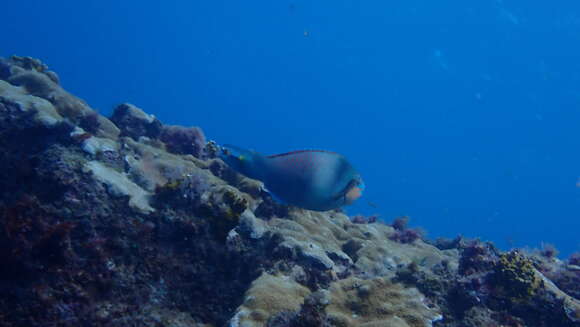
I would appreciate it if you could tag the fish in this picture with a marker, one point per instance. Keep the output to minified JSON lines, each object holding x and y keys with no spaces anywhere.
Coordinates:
{"x":316,"y":180}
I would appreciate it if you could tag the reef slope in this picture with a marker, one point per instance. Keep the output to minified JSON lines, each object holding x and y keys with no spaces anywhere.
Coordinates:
{"x":126,"y":221}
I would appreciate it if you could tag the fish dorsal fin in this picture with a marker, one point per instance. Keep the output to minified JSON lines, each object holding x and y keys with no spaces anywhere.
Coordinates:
{"x":297,"y":152}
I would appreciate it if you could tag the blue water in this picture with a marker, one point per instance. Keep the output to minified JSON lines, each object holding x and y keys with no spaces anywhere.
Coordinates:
{"x":464,"y":115}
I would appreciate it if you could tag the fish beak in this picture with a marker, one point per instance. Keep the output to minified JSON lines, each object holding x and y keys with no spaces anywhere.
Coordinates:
{"x":353,"y":194}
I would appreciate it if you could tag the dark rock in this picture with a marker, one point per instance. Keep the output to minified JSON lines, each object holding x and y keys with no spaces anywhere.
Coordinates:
{"x":134,"y":122}
{"x":184,"y":140}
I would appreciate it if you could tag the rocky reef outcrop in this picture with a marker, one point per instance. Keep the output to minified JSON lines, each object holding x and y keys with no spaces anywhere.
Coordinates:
{"x":126,"y":221}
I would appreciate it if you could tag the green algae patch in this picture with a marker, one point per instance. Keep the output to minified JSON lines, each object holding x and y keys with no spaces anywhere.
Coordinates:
{"x":377,"y":302}
{"x":515,"y":277}
{"x":267,"y":296}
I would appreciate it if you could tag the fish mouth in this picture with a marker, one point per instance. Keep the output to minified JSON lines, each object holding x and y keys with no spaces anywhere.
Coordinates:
{"x":353,"y":191}
{"x":352,"y":195}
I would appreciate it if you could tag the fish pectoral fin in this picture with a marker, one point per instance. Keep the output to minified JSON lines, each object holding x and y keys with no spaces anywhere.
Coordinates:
{"x":274,"y":197}
{"x":339,"y":196}
{"x":277,"y":199}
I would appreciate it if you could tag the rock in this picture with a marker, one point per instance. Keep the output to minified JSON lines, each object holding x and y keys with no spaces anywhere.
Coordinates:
{"x":134,"y":122}
{"x":184,"y":140}
{"x":119,"y":185}
{"x":43,"y":112}
{"x":26,"y":74}
{"x":10,"y":66}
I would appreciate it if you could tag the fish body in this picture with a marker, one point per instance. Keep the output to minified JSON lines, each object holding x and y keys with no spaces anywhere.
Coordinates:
{"x":311,"y":179}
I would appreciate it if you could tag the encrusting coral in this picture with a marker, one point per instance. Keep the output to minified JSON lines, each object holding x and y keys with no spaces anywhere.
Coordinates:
{"x":514,"y":277}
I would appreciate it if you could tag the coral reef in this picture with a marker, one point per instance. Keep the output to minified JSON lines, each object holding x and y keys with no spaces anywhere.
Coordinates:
{"x":125,"y":221}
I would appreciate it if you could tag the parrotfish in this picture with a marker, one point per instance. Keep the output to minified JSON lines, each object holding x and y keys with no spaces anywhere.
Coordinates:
{"x":310,"y":179}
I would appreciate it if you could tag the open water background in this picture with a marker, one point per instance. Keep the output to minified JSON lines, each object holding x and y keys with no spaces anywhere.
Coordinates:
{"x":464,"y":115}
